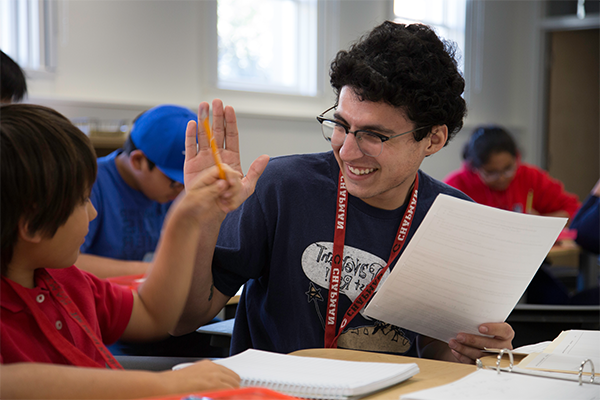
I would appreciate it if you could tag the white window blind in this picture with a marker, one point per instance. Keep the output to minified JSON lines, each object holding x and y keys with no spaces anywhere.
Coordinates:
{"x":27,"y":33}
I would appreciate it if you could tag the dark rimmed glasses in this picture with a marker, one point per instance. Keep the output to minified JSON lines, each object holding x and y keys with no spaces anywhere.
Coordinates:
{"x":370,"y":143}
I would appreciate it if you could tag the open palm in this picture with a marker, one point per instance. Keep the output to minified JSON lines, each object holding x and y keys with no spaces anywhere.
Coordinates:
{"x":198,"y":155}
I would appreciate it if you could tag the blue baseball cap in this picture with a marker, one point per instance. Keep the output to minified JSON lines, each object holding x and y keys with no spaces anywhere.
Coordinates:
{"x":160,"y":134}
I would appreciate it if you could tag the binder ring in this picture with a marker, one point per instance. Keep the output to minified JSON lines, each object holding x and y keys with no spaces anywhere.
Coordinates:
{"x":510,"y":356}
{"x":580,"y":375}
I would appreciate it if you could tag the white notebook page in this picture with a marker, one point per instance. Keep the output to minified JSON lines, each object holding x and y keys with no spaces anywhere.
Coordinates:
{"x":310,"y":376}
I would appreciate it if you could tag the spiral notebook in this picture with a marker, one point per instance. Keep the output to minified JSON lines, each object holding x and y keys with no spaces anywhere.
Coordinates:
{"x":315,"y":378}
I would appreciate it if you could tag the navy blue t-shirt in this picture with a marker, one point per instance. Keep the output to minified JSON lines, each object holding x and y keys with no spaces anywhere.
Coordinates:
{"x":279,"y":244}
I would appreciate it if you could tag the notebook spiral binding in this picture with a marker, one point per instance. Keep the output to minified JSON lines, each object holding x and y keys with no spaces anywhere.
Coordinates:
{"x":511,"y":364}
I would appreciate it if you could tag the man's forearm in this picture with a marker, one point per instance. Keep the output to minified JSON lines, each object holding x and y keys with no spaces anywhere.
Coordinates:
{"x":204,"y":300}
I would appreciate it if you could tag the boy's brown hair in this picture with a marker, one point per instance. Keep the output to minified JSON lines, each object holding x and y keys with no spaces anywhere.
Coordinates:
{"x":47,"y":168}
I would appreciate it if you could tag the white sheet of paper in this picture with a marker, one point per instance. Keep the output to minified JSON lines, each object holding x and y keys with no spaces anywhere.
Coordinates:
{"x":532,"y":348}
{"x":466,"y":264}
{"x":567,"y":352}
{"x":489,"y":385}
{"x":577,"y":343}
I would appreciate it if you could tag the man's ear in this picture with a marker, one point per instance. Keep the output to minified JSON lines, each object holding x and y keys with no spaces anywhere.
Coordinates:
{"x":26,"y":235}
{"x":437,"y":139}
{"x":138,"y":160}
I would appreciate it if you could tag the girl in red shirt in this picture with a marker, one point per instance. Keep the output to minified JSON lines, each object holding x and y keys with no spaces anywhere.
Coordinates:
{"x":493,"y":174}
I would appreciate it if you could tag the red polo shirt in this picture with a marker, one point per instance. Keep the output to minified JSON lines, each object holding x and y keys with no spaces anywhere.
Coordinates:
{"x":106,"y":307}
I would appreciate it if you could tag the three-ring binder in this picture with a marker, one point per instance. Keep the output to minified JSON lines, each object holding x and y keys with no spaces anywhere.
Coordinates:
{"x":511,"y":365}
{"x":580,"y":374}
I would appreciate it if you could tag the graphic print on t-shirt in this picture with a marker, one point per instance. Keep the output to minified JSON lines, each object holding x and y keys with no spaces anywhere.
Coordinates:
{"x":358,"y":269}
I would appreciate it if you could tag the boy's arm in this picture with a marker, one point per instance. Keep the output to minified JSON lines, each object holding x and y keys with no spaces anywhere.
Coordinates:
{"x":50,"y":381}
{"x":104,"y":267}
{"x":159,"y":302}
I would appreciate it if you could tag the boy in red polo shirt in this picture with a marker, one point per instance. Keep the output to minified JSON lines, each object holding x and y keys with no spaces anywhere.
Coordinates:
{"x":56,"y":318}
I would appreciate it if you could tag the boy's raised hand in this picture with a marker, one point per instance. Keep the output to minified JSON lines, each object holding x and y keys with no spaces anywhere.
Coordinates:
{"x":198,"y":155}
{"x":227,"y":194}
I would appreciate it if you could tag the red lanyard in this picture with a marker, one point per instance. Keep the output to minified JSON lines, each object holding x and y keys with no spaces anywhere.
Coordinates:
{"x":338,"y":255}
{"x":66,"y":348}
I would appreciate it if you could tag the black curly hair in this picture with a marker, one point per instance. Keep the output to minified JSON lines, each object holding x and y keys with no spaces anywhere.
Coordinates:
{"x":409,"y":67}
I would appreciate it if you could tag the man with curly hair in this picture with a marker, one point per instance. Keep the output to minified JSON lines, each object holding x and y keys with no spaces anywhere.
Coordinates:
{"x":323,"y":229}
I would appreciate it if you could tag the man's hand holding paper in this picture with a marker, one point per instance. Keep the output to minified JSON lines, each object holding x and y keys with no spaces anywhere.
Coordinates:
{"x":467,"y":265}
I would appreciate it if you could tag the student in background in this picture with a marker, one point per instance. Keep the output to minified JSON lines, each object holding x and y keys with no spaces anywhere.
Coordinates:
{"x":545,"y":288}
{"x":13,"y":85}
{"x":587,"y":222}
{"x":133,"y":192}
{"x":398,"y":100}
{"x":493,"y":174}
{"x":55,"y":317}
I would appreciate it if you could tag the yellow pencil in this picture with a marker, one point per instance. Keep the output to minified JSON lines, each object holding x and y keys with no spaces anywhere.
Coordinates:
{"x":529,"y":205}
{"x":213,"y":144}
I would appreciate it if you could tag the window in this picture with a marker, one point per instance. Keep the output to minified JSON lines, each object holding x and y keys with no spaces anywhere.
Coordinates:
{"x":27,"y":33}
{"x":268,"y":46}
{"x":447,"y":17}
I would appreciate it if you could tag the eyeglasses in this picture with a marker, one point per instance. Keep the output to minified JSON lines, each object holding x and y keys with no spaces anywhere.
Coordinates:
{"x":370,"y":143}
{"x":494,"y":176}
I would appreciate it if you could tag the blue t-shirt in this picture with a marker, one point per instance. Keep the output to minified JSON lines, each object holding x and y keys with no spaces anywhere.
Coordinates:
{"x":128,"y":224}
{"x":280,"y":241}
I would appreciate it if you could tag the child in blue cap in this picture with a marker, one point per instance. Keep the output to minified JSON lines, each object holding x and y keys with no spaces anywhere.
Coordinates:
{"x":133,"y":192}
{"x":56,"y":318}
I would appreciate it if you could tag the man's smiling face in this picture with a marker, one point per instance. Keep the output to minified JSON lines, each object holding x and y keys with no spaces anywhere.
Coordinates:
{"x":385,"y":180}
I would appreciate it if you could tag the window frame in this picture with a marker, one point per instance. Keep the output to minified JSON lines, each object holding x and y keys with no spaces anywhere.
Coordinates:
{"x":36,"y":21}
{"x":307,"y":64}
{"x":328,"y":45}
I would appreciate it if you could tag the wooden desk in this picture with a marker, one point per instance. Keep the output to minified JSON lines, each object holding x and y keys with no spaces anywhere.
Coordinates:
{"x":432,"y":373}
{"x":233,"y":301}
{"x":568,"y":253}
{"x":565,"y":253}
{"x":105,"y":145}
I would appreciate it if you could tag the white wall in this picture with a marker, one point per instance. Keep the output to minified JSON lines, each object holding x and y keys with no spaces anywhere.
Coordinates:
{"x":132,"y":52}
{"x":118,"y":58}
